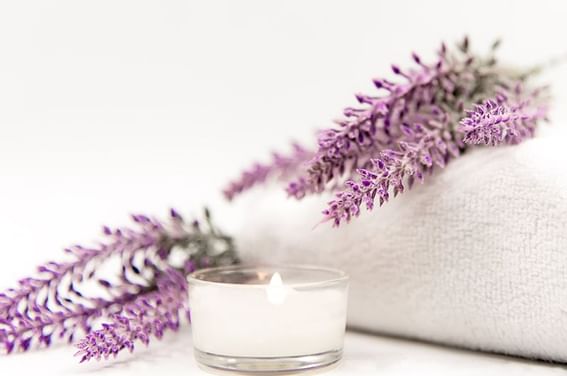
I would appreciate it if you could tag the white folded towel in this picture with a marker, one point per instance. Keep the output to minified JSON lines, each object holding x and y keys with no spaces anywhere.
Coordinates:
{"x":476,"y":257}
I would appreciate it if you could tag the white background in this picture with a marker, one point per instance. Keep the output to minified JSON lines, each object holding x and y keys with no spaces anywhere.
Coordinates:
{"x":112,"y":107}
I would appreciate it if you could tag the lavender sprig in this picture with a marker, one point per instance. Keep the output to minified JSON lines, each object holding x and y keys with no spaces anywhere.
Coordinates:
{"x":67,"y":298}
{"x":392,"y":171}
{"x":148,"y":315}
{"x":496,"y":122}
{"x":425,"y":95}
{"x":433,"y":115}
{"x":280,"y":167}
{"x":510,"y":117}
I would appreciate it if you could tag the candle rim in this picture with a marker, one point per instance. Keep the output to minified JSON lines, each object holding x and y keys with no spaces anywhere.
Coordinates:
{"x":339,"y":275}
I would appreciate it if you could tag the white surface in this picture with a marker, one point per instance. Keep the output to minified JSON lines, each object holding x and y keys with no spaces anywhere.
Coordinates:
{"x":364,"y":355}
{"x":476,"y":257}
{"x":114,"y":106}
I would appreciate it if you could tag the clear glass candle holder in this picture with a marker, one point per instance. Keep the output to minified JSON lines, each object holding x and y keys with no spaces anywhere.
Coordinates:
{"x":268,"y":318}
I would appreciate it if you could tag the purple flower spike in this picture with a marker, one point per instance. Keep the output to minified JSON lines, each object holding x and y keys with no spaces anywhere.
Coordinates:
{"x":366,"y":131}
{"x":280,"y":167}
{"x":57,"y":304}
{"x":415,"y":122}
{"x":493,"y":123}
{"x":148,"y":315}
{"x":391,"y":173}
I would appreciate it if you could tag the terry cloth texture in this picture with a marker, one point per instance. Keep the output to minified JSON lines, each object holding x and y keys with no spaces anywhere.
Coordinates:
{"x":476,"y":257}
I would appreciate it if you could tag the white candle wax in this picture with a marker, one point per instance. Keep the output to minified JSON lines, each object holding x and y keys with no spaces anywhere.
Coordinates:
{"x":300,"y":313}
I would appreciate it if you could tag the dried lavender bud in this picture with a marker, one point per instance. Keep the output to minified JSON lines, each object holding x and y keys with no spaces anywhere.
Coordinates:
{"x":397,"y":136}
{"x":68,"y":298}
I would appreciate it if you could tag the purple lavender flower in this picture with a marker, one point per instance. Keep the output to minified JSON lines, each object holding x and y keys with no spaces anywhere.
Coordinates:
{"x":58,"y":304}
{"x":392,"y":172}
{"x":148,"y":315}
{"x":413,"y":125}
{"x":496,"y":122}
{"x":424,"y":96}
{"x":280,"y":167}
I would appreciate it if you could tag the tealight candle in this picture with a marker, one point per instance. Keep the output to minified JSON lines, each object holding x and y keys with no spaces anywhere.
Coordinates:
{"x":268,"y":318}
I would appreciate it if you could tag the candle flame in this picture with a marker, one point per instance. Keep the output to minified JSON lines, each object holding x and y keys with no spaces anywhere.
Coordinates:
{"x":276,"y":280}
{"x":276,"y":290}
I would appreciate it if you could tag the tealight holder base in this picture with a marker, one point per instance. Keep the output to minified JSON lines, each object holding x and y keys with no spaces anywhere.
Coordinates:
{"x":267,"y":365}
